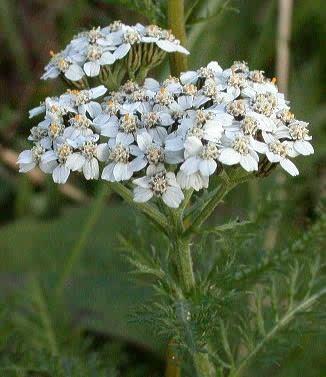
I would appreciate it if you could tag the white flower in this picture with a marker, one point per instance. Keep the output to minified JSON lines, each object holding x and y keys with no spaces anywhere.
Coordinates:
{"x":278,"y":152}
{"x":63,"y":63}
{"x":199,"y":157}
{"x":121,"y":167}
{"x":187,"y":102}
{"x":242,"y":150}
{"x":254,"y":88}
{"x":125,"y":38}
{"x":299,"y":133}
{"x":152,"y":153}
{"x":37,"y":110}
{"x":29,"y":159}
{"x":191,"y":126}
{"x":58,"y":159}
{"x":213,"y":70}
{"x":96,"y":57}
{"x":163,"y":39}
{"x":172,"y":85}
{"x":83,"y":100}
{"x":90,"y":50}
{"x":202,"y":124}
{"x":52,"y":107}
{"x":162,"y":185}
{"x":85,"y":159}
{"x":212,"y":90}
{"x":250,"y":125}
{"x":194,"y":181}
{"x":156,"y":123}
{"x":123,"y":129}
{"x":80,"y":125}
{"x":39,"y":135}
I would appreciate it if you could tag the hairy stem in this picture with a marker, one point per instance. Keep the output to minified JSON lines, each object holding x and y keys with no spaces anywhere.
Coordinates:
{"x":184,"y":263}
{"x":172,"y":363}
{"x":209,"y":208}
{"x":176,"y":20}
{"x":147,"y":209}
{"x":196,"y":218}
{"x":204,"y":367}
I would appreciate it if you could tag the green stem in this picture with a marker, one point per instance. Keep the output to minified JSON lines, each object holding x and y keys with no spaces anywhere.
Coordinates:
{"x":141,"y":75}
{"x":229,"y":182}
{"x":204,"y":367}
{"x":184,"y":263}
{"x":172,"y":363}
{"x":209,"y":208}
{"x":176,"y":20}
{"x":80,"y":244}
{"x":150,"y":211}
{"x":45,"y":317}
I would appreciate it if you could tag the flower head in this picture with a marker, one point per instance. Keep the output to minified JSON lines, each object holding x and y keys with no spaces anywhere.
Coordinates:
{"x":164,"y":137}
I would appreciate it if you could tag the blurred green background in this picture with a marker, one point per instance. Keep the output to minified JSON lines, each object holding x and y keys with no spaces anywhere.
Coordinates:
{"x":50,"y":234}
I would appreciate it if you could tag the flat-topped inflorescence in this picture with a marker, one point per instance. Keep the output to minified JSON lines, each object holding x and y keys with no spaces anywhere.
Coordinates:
{"x":93,"y":53}
{"x":169,"y":136}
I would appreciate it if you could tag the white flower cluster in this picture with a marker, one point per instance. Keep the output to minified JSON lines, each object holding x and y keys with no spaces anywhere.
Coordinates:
{"x":66,"y":139}
{"x":170,"y":136}
{"x":90,"y":50}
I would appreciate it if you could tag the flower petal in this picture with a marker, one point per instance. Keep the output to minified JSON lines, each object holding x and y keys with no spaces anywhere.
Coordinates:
{"x":60,"y":174}
{"x":166,"y":45}
{"x":122,"y":172}
{"x":207,"y":167}
{"x":107,"y":58}
{"x":91,"y":169}
{"x":107,"y":173}
{"x":248,"y":163}
{"x":142,"y":182}
{"x":74,"y":72}
{"x":173,"y":196}
{"x":144,"y":141}
{"x":138,"y":163}
{"x":303,"y":147}
{"x":103,"y":152}
{"x":142,"y":195}
{"x":75,"y":161}
{"x":229,"y":156}
{"x":97,"y":91}
{"x":189,"y":77}
{"x":124,"y":139}
{"x":289,"y":166}
{"x":191,"y":165}
{"x":122,"y":51}
{"x":92,"y":69}
{"x":193,"y":146}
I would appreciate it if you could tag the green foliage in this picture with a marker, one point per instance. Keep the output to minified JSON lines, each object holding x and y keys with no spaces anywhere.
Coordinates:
{"x":208,"y":14}
{"x":40,"y":339}
{"x":153,"y":10}
{"x":36,"y":343}
{"x":254,"y":312}
{"x":97,"y":282}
